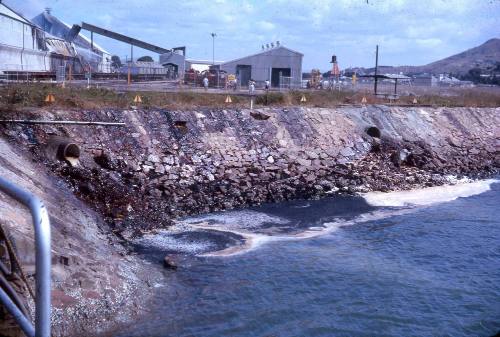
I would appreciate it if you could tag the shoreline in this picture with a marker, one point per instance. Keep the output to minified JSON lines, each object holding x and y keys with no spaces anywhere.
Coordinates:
{"x":405,"y":201}
{"x":378,"y":214}
{"x":166,"y":165}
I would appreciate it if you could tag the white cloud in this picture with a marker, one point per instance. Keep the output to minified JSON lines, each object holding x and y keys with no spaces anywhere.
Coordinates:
{"x":266,"y":25}
{"x":431,"y":43}
{"x":106,"y":20}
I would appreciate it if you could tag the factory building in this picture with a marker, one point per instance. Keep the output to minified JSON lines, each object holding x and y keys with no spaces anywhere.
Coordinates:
{"x":22,"y":45}
{"x":27,"y":48}
{"x":428,"y":80}
{"x":175,"y":61}
{"x":92,"y":55}
{"x":280,"y":65}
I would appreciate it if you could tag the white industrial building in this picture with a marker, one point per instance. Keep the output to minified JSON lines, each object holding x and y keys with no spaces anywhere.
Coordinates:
{"x":45,"y":46}
{"x":22,"y":45}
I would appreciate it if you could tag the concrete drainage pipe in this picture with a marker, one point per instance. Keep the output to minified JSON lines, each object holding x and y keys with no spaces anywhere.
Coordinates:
{"x":63,"y":149}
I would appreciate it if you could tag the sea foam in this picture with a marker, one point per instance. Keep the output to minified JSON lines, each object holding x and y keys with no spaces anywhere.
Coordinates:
{"x":428,"y":195}
{"x":247,"y":223}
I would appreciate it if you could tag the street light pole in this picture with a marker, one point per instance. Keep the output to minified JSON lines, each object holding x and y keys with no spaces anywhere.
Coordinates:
{"x":213,"y":56}
{"x":213,"y":47}
{"x":376,"y":70}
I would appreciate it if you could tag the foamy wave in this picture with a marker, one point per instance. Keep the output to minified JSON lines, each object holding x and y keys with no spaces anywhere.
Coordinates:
{"x":165,"y":240}
{"x":246,"y":223}
{"x":429,"y":195}
{"x":250,"y":240}
{"x":255,"y":240}
{"x":421,"y":197}
{"x":242,"y":219}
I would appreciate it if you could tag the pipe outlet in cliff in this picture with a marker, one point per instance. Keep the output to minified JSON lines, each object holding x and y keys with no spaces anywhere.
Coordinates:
{"x":69,"y":152}
{"x":63,"y":149}
{"x":374,"y":132}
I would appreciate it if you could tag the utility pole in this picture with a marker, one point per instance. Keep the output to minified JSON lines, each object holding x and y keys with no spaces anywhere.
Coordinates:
{"x":376,"y":70}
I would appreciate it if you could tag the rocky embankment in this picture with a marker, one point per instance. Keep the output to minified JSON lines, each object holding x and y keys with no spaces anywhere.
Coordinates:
{"x":166,"y":164}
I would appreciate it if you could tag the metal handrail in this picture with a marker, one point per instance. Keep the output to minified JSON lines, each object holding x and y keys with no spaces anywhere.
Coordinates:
{"x":41,"y":225}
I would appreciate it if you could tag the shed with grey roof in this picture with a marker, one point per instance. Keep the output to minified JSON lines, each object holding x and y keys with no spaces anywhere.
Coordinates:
{"x":281,"y":66}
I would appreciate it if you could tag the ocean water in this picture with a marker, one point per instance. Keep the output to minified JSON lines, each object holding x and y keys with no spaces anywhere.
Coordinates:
{"x":418,"y":263}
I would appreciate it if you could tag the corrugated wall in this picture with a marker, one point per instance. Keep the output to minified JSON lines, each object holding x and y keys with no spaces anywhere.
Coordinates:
{"x":19,"y":48}
{"x":263,"y":63}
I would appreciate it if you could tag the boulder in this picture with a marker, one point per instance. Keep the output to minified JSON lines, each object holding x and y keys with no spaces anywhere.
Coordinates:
{"x":153,"y":158}
{"x":169,"y":263}
{"x":259,"y":115}
{"x":346,"y":152}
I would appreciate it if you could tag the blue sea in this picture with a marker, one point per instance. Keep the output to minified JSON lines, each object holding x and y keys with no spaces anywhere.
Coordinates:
{"x":416,"y":263}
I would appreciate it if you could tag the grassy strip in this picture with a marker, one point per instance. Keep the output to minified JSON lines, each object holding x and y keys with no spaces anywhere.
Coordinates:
{"x":33,"y":95}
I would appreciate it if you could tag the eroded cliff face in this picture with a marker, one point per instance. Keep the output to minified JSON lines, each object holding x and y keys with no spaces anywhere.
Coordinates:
{"x":166,"y":164}
{"x":91,"y":274}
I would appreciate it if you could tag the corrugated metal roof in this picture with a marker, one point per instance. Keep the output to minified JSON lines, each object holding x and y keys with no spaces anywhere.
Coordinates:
{"x":6,"y":10}
{"x":54,"y":26}
{"x":60,"y":47}
{"x":206,"y":62}
{"x":389,"y":76}
{"x":264,"y":52}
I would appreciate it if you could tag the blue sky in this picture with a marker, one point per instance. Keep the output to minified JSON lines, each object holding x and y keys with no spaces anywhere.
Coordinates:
{"x":409,"y":32}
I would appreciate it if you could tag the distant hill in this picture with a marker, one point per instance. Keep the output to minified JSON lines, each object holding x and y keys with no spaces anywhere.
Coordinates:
{"x":485,"y":57}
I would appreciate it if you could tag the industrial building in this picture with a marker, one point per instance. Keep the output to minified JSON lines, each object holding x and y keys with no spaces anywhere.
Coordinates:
{"x":428,"y":80}
{"x":280,"y":65}
{"x":175,"y":60}
{"x":92,"y":55}
{"x":26,"y":48}
{"x":47,"y":47}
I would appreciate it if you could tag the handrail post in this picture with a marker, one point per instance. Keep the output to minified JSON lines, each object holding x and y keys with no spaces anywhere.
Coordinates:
{"x":43,"y":264}
{"x":41,"y":225}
